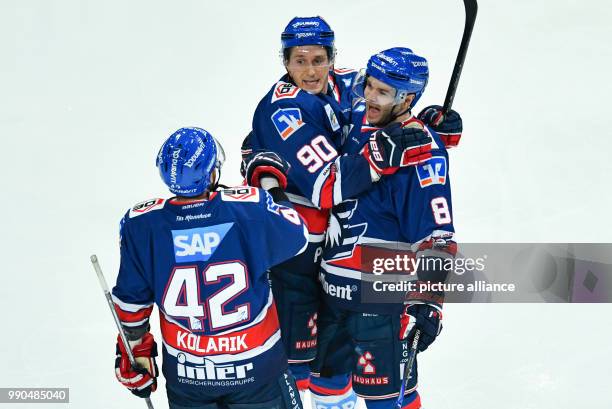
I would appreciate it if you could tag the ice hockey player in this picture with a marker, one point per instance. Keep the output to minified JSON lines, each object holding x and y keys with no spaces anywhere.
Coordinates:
{"x":301,"y":120}
{"x":202,"y":257}
{"x":411,"y":210}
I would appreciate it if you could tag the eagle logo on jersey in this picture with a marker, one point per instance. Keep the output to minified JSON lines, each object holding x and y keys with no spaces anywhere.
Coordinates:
{"x":287,"y":121}
{"x":341,"y":236}
{"x":432,"y":172}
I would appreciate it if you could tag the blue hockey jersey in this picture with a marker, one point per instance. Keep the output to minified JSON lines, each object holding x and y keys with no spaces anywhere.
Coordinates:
{"x":307,"y":131}
{"x":204,"y":264}
{"x":401,"y":212}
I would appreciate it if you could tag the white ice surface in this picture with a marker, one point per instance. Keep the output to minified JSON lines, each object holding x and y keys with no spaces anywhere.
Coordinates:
{"x":90,"y":89}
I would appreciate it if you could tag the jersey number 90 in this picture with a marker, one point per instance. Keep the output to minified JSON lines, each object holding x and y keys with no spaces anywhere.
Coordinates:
{"x":315,"y":154}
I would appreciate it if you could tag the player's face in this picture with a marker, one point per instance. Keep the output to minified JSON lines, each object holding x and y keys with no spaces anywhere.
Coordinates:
{"x":309,"y":66}
{"x":379,"y":101}
{"x":381,"y":106}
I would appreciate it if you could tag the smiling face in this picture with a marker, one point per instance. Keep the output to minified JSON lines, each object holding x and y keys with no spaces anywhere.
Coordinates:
{"x":381,"y":106}
{"x":309,"y":67}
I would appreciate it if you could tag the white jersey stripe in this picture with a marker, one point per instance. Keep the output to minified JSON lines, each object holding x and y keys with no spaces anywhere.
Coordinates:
{"x":338,"y":183}
{"x":127,"y":307}
{"x":339,"y":271}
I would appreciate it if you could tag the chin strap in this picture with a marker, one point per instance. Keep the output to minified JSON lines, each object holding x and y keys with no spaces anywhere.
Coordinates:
{"x":407,"y":110}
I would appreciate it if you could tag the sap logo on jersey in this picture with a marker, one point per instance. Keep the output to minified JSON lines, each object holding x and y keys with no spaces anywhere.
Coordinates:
{"x":198,"y":244}
{"x":287,"y":121}
{"x":432,"y":172}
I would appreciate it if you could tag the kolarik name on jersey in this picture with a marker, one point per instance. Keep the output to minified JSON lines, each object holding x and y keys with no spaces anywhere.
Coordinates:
{"x":194,"y":343}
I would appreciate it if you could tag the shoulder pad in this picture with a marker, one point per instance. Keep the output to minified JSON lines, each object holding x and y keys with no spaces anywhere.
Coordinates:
{"x":146,"y":206}
{"x":240,"y":194}
{"x":284,"y":90}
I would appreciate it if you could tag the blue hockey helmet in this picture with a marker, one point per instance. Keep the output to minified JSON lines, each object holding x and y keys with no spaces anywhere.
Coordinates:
{"x":302,"y":31}
{"x":187,"y":160}
{"x":399,"y":68}
{"x":307,"y":31}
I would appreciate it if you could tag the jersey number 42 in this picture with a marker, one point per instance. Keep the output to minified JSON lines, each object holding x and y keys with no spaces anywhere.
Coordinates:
{"x":182,"y":295}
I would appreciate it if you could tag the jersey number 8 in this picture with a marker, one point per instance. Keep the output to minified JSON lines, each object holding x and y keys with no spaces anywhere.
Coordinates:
{"x":441,"y":212}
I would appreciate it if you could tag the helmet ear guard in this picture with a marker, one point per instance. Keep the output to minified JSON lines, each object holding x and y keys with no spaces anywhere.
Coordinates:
{"x":220,"y":160}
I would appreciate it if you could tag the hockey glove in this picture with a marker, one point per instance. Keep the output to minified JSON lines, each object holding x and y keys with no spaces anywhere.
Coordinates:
{"x":448,"y":126}
{"x":265,"y":163}
{"x":395,"y":146}
{"x":424,"y":317}
{"x":142,"y":379}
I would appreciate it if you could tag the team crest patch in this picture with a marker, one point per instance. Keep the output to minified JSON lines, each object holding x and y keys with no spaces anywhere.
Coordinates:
{"x":287,"y":121}
{"x":432,"y":172}
{"x":284,"y":90}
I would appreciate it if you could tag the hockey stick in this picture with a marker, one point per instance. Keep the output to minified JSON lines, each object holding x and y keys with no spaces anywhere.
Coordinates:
{"x":408,"y":368}
{"x":109,"y":300}
{"x":471,"y":8}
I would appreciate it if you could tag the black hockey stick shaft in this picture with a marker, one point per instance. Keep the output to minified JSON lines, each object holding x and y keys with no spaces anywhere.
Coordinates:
{"x":471,"y":8}
{"x":109,"y":301}
{"x":408,"y":368}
